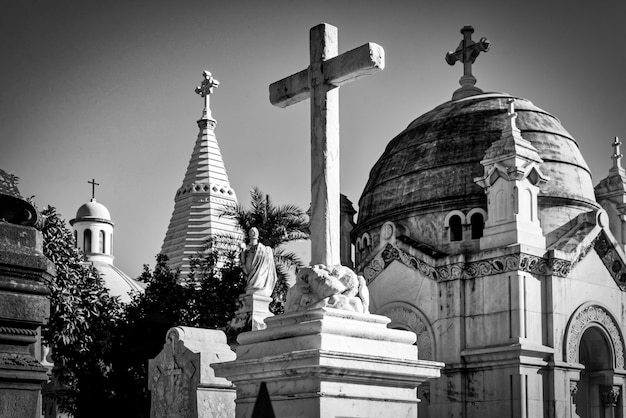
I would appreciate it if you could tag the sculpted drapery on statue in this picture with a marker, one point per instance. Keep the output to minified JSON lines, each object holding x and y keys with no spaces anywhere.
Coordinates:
{"x":257,"y":262}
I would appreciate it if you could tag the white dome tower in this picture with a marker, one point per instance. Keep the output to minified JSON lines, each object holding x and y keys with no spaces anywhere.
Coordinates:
{"x":93,"y":233}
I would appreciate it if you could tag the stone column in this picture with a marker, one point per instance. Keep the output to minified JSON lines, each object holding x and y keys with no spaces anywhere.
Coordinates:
{"x":24,"y":307}
{"x":328,"y":362}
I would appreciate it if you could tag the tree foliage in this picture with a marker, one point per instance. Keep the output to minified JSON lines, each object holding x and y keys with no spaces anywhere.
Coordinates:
{"x":83,"y":320}
{"x":101,"y":347}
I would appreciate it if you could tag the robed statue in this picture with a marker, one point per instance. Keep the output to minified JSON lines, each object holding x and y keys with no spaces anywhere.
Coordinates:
{"x":257,"y":262}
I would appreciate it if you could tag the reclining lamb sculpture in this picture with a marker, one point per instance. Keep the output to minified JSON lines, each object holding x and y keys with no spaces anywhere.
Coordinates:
{"x":323,"y":286}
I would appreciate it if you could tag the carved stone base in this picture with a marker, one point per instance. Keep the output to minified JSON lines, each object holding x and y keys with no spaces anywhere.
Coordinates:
{"x":329,"y":362}
{"x":252,"y":311}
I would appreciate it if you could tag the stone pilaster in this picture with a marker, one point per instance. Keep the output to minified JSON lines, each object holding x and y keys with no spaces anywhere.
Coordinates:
{"x":24,"y":307}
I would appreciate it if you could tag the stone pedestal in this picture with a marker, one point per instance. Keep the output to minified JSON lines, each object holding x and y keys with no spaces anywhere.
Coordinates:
{"x":252,"y":311}
{"x":24,"y":307}
{"x":327,"y":363}
{"x":181,"y":380}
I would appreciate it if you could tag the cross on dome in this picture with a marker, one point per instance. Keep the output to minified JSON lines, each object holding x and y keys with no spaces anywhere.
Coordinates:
{"x":467,"y":52}
{"x":93,"y":188}
{"x":204,"y":90}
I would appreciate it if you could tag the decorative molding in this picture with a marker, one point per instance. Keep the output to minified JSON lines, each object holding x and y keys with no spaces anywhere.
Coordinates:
{"x":608,"y":253}
{"x":416,"y":322}
{"x":611,"y":260}
{"x":18,"y":331}
{"x":573,"y":387}
{"x":467,"y":270}
{"x":581,"y":320}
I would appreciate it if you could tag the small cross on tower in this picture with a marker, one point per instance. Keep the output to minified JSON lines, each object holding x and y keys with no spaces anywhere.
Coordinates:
{"x":320,"y":82}
{"x":467,"y":52}
{"x":93,"y":188}
{"x":617,"y":155}
{"x":204,"y":90}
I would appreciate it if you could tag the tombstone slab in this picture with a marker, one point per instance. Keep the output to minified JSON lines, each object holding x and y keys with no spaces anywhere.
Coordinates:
{"x":181,"y":380}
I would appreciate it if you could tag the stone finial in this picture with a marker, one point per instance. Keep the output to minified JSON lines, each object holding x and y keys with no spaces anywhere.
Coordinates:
{"x":617,"y":156}
{"x":14,"y":209}
{"x":467,"y":52}
{"x":512,"y":116}
{"x":204,"y":90}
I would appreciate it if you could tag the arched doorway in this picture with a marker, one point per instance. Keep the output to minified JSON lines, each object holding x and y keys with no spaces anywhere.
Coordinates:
{"x":595,"y":346}
{"x":407,"y":317}
{"x":595,"y":396}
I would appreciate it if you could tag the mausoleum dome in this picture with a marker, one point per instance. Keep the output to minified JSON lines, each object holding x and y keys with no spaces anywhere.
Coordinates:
{"x":93,"y":210}
{"x":430,"y":167}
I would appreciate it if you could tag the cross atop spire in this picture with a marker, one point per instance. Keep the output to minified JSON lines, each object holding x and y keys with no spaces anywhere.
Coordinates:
{"x":93,"y":188}
{"x":617,"y":156}
{"x":512,"y":116}
{"x":467,"y":52}
{"x":204,"y":90}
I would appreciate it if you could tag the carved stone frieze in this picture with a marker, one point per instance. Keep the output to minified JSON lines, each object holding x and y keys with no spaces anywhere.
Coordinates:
{"x":611,"y":260}
{"x":467,"y":270}
{"x":580,"y":322}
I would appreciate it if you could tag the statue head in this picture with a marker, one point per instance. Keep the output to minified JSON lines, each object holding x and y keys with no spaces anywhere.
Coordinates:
{"x":253,"y":234}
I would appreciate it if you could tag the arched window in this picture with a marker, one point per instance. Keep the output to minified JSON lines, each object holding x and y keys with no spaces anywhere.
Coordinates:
{"x":478,"y":224}
{"x":101,"y":241}
{"x":87,"y":241}
{"x":75,"y":238}
{"x":456,"y":228}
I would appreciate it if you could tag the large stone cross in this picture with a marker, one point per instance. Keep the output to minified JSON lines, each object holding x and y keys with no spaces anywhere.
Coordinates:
{"x":467,"y":52}
{"x":319,"y":82}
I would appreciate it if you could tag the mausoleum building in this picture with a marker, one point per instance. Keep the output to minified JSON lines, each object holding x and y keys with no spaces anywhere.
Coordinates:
{"x":480,"y":230}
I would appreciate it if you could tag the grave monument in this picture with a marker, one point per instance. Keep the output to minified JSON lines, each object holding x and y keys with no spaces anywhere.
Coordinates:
{"x":327,"y":356}
{"x":181,"y":381}
{"x":24,"y":305}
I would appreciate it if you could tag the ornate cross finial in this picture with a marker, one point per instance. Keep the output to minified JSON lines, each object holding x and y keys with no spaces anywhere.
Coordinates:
{"x":617,"y":156}
{"x":467,"y":52}
{"x":93,"y":188}
{"x":204,"y":90}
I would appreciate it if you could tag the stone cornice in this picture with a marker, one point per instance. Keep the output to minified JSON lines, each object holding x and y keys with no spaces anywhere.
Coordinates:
{"x":519,"y":260}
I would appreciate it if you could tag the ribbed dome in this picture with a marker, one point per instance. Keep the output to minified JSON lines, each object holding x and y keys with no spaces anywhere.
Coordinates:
{"x":93,"y":210}
{"x":432,"y":164}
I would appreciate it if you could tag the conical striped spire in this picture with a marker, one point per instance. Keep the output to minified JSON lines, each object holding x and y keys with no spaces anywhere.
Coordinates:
{"x":204,"y":193}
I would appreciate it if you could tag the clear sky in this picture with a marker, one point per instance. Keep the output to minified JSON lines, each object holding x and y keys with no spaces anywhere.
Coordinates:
{"x":105,"y":90}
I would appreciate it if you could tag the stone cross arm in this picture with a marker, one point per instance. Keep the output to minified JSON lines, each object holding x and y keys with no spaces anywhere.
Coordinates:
{"x":342,"y":69}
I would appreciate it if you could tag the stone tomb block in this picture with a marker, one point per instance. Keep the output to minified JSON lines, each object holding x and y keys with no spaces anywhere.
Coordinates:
{"x":329,"y":363}
{"x":181,"y":380}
